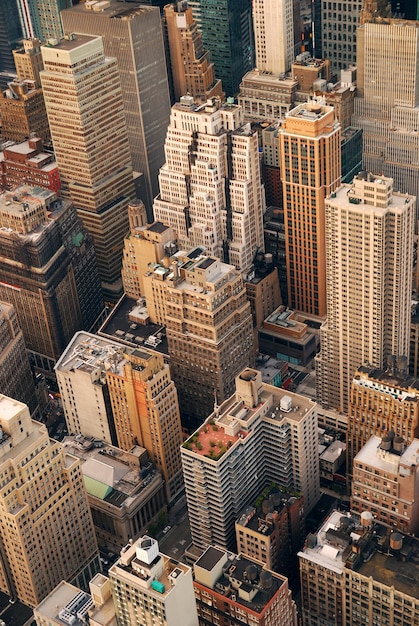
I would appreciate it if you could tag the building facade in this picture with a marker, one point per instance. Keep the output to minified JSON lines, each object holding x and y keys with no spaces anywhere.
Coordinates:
{"x":210,"y":186}
{"x":27,"y":163}
{"x":369,"y":254}
{"x":259,"y":435}
{"x":273,"y":24}
{"x":132,"y":34}
{"x":310,"y":171}
{"x":338,"y":33}
{"x":22,"y":109}
{"x":44,"y":504}
{"x":94,"y":161}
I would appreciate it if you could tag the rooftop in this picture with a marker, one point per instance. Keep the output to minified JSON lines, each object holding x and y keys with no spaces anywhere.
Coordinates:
{"x":395,"y":381}
{"x":66,"y":605}
{"x":376,"y":453}
{"x":117,"y":10}
{"x":91,"y":354}
{"x":242,"y":580}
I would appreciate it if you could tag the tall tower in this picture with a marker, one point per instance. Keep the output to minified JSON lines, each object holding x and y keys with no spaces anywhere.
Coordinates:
{"x":146,"y":412}
{"x":41,"y":18}
{"x":211,"y":192}
{"x":310,"y":171}
{"x":133,"y":35}
{"x":338,"y":32}
{"x":386,"y":106}
{"x":10,"y":33}
{"x":369,"y":250}
{"x":46,"y":529}
{"x":84,"y":103}
{"x":192,"y":70}
{"x":273,"y":25}
{"x":227,"y":33}
{"x":28,"y":61}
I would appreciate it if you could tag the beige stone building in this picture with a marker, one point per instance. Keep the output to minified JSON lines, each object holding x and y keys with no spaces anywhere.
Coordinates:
{"x":310,"y":171}
{"x":369,"y":254}
{"x":42,"y":503}
{"x":273,"y":24}
{"x":83,"y":96}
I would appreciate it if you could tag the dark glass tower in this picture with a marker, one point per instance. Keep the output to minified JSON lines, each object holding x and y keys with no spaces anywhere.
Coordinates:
{"x":10,"y":32}
{"x":228,"y":35}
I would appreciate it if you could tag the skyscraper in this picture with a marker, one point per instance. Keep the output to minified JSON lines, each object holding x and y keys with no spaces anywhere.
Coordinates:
{"x":132,"y":33}
{"x":210,"y":186}
{"x":310,"y":171}
{"x":273,"y":24}
{"x":369,"y":257}
{"x":260,"y":435}
{"x":227,"y":33}
{"x":386,"y":106}
{"x":41,"y":18}
{"x":81,"y":87}
{"x":10,"y":33}
{"x":192,"y":69}
{"x":44,"y":504}
{"x":338,"y":32}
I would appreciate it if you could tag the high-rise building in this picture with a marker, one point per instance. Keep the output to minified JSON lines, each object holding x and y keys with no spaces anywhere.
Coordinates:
{"x":381,"y":402}
{"x":10,"y":33}
{"x":232,"y":589}
{"x":338,"y":33}
{"x":273,"y":24}
{"x":28,"y":61}
{"x":211,"y":192}
{"x":261,"y":434}
{"x":26,"y":162}
{"x":202,"y":302}
{"x":310,"y":171}
{"x":16,"y":378}
{"x":146,"y":412}
{"x":57,"y":288}
{"x":385,"y":481}
{"x":191,"y":68}
{"x":41,"y":18}
{"x":43,"y":505}
{"x":355,"y":571}
{"x":369,"y":256}
{"x":81,"y":86}
{"x":150,"y":588}
{"x":132,"y":34}
{"x":386,"y":106}
{"x":227,"y":33}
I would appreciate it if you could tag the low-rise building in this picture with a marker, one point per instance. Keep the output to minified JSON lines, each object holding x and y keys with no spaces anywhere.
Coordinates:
{"x":27,"y":163}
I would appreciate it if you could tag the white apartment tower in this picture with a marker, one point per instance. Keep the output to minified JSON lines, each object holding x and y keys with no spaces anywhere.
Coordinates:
{"x":386,"y":106}
{"x":210,"y":186}
{"x":260,"y":435}
{"x":369,"y":248}
{"x":85,"y":110}
{"x":273,"y":25}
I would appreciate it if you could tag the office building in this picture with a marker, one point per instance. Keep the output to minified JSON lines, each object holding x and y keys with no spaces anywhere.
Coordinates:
{"x":381,"y":401}
{"x":387,"y":99}
{"x":10,"y":34}
{"x":262,"y":288}
{"x":273,"y":24}
{"x":339,"y":33}
{"x":132,"y":34}
{"x":285,"y":336}
{"x":385,"y":481}
{"x":23,"y":113}
{"x":123,"y":396}
{"x":414,"y":342}
{"x":93,"y":160}
{"x":16,"y":378}
{"x":272,"y":531}
{"x":261,"y":434}
{"x":210,"y":186}
{"x":41,"y":18}
{"x":192,"y":71}
{"x":202,"y":302}
{"x":57,"y":290}
{"x":44,"y":505}
{"x":150,"y":588}
{"x":28,"y":61}
{"x":355,"y":571}
{"x":125,"y":491}
{"x":266,"y":97}
{"x":146,"y":412}
{"x":369,"y":251}
{"x":310,"y":171}
{"x":27,"y":163}
{"x":228,"y":34}
{"x":237,"y":590}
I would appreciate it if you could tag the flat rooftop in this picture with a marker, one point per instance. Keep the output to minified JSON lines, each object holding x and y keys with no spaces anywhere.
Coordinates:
{"x":70,"y":43}
{"x":373,"y":455}
{"x":88,"y":353}
{"x":117,"y":10}
{"x":66,"y":605}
